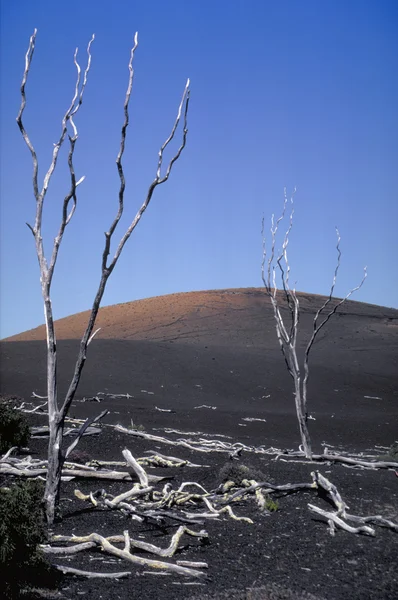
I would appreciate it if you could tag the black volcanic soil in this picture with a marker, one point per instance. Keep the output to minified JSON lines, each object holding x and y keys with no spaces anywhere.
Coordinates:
{"x":219,"y":349}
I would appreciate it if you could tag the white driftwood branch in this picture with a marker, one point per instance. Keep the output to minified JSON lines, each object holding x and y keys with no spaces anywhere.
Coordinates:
{"x":7,"y":455}
{"x":91,"y":574}
{"x":375,"y":520}
{"x":334,"y":519}
{"x":320,"y":481}
{"x":67,"y":550}
{"x":133,"y":493}
{"x":140,"y":472}
{"x":348,"y":461}
{"x":193,"y":564}
{"x":340,"y":517}
{"x":80,"y":472}
{"x":203,"y":445}
{"x":356,"y":462}
{"x":169,"y":461}
{"x":107,"y":544}
{"x":35,"y":409}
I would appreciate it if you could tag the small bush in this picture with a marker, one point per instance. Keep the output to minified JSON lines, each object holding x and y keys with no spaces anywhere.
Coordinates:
{"x":79,"y":456}
{"x":14,"y":428}
{"x":234,"y":474}
{"x":21,"y":530}
{"x":237,"y":473}
{"x":270,"y":504}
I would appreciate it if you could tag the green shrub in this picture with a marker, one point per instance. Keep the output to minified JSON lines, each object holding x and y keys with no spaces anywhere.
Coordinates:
{"x":21,"y":530}
{"x":270,"y":504}
{"x":14,"y":428}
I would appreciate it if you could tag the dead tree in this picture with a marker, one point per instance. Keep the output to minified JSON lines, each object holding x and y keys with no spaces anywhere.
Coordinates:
{"x":58,"y":409}
{"x":287,"y":330}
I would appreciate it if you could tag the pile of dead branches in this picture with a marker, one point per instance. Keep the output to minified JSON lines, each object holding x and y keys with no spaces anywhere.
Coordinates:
{"x":153,"y":499}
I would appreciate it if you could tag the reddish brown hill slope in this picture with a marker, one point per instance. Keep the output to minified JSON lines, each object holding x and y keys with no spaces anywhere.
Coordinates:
{"x":232,"y":316}
{"x":219,"y":348}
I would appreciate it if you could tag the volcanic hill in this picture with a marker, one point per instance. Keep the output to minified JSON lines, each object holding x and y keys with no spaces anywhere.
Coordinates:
{"x":207,"y":365}
{"x":219,"y":348}
{"x":241,"y":316}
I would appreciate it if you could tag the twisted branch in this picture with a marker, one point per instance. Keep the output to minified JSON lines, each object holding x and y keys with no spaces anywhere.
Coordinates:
{"x":108,"y":546}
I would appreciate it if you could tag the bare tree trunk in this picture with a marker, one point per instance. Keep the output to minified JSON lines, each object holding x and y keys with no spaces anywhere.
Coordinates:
{"x":302,"y":418}
{"x":57,"y":414}
{"x":51,"y":493}
{"x":54,"y":469}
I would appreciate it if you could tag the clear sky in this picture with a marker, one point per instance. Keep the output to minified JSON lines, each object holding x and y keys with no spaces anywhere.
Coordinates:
{"x":289,"y":93}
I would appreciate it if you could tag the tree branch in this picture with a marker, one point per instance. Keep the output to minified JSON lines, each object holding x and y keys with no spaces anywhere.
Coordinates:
{"x":107,"y":544}
{"x":317,"y":327}
{"x":107,"y":269}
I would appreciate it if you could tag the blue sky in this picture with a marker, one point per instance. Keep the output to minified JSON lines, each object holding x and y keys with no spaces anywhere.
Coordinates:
{"x":289,"y":93}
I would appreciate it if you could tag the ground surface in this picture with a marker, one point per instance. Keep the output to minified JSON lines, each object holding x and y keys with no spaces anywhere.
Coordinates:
{"x":190,"y":353}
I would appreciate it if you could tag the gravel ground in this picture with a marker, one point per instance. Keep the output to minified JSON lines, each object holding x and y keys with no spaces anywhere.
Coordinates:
{"x":211,"y":383}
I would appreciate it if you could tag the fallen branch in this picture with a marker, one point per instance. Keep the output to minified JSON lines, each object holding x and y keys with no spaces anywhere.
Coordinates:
{"x":157,"y":505}
{"x":190,"y":563}
{"x":108,"y":395}
{"x":82,"y":472}
{"x":375,"y":519}
{"x":67,"y":550}
{"x":7,"y":455}
{"x":345,"y":460}
{"x":234,"y":449}
{"x":321,"y":482}
{"x":22,"y":408}
{"x":91,"y":574}
{"x":138,"y":470}
{"x":337,"y":518}
{"x":133,"y":493}
{"x":334,"y":519}
{"x":201,"y":445}
{"x":267,"y":488}
{"x":161,"y":460}
{"x":42,"y":432}
{"x":107,"y":545}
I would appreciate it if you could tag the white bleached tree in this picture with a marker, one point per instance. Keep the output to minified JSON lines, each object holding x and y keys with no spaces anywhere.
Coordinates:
{"x":287,"y":329}
{"x":58,"y":407}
